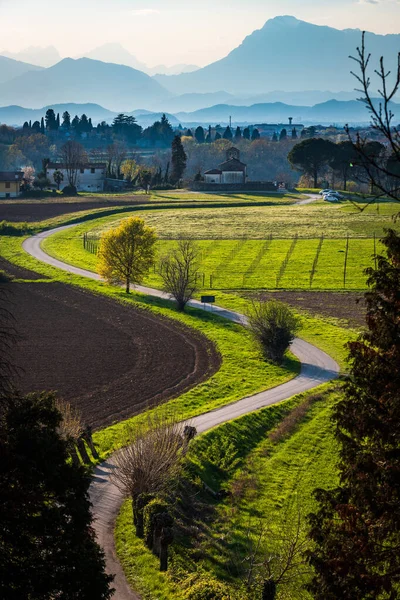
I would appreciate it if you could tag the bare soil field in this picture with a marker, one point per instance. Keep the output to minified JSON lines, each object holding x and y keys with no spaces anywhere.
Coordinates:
{"x":348,"y":306}
{"x":30,"y":211}
{"x":110,"y":360}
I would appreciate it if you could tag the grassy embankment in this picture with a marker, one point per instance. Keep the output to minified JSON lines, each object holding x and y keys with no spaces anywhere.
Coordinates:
{"x":269,"y":463}
{"x":243,"y":372}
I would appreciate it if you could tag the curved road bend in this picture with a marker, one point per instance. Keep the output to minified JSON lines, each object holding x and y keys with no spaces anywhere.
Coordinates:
{"x":317,"y":367}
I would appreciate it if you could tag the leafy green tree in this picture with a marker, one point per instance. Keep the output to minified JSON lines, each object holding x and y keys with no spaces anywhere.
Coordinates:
{"x":228,"y":134}
{"x":126,"y":127}
{"x":344,"y":160}
{"x":199,"y":135}
{"x":127,"y":252}
{"x":255,"y":135}
{"x":356,"y":529}
{"x":41,"y":181}
{"x":48,"y":547}
{"x":178,"y":160}
{"x":311,"y":156}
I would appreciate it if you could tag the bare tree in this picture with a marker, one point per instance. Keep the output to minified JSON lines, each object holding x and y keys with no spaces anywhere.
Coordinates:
{"x":151,"y":461}
{"x":74,"y":157}
{"x":179,"y":271}
{"x":272,"y":560}
{"x":116,"y":154}
{"x":383,"y":175}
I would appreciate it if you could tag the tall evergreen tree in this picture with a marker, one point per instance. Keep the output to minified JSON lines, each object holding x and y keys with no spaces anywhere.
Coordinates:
{"x":357,"y":527}
{"x":58,"y":121}
{"x":66,"y":120}
{"x":283,"y":135}
{"x":227,"y":134}
{"x":217,"y":136}
{"x":294,"y":134}
{"x":48,"y":548}
{"x":42,"y":129}
{"x":238,"y":134}
{"x":178,"y":160}
{"x":209,"y":135}
{"x":275,"y":137}
{"x":199,"y":135}
{"x":246,"y":133}
{"x":51,"y":120}
{"x":255,"y":135}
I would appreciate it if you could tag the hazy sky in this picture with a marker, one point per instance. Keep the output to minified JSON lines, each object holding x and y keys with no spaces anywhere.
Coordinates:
{"x":174,"y":31}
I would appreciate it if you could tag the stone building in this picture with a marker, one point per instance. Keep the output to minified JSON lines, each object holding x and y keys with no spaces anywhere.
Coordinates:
{"x":232,"y":171}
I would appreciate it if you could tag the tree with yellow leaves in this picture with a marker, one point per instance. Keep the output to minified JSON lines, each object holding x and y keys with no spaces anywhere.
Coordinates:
{"x":127,"y":252}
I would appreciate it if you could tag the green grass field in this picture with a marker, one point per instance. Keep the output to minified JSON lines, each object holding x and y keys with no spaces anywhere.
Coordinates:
{"x":250,"y":264}
{"x":270,"y":481}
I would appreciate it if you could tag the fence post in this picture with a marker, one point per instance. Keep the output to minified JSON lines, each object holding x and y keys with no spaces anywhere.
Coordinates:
{"x":345,"y":262}
{"x":375,"y":261}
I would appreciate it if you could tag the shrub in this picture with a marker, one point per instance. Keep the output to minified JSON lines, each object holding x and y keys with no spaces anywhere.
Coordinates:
{"x":7,"y":228}
{"x":70,"y":190}
{"x":273,"y":325}
{"x":163,"y":186}
{"x":208,"y":589}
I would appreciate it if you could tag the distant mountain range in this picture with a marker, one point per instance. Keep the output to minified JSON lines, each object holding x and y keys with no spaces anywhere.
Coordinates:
{"x":286,"y":54}
{"x":289,"y":55}
{"x":110,"y":52}
{"x":36,"y":55}
{"x":84,"y":80}
{"x":332,"y":112}
{"x":10,"y":68}
{"x":326,"y":113}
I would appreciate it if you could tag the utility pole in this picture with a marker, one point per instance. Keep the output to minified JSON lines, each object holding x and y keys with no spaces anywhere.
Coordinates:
{"x":230,"y":122}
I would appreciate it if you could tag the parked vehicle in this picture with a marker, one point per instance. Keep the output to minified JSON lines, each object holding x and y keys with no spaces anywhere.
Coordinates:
{"x":323,"y":192}
{"x":331,"y":198}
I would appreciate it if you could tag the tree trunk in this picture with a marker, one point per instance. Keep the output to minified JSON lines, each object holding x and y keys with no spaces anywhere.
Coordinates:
{"x":269,"y":590}
{"x":87,"y":436}
{"x":73,"y":453}
{"x":315,"y":178}
{"x":83,"y":452}
{"x":164,"y":557}
{"x":128,"y":286}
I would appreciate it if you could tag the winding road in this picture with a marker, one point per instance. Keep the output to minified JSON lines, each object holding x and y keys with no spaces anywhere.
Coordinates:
{"x":317,"y":367}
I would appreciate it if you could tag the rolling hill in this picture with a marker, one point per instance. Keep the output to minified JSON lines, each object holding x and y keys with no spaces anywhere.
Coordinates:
{"x":84,"y":80}
{"x":289,"y":55}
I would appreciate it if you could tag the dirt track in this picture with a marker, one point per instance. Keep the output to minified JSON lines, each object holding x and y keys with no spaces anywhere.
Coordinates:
{"x":110,"y":360}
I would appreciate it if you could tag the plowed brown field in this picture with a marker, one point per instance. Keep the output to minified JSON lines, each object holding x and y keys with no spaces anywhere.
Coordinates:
{"x":110,"y":360}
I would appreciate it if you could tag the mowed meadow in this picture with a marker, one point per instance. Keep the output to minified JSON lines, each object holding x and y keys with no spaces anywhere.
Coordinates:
{"x":279,"y":246}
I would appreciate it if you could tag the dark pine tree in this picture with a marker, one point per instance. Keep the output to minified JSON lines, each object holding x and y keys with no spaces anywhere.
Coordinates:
{"x":217,"y":136}
{"x":228,"y":134}
{"x":255,"y":135}
{"x":199,"y":135}
{"x":238,"y":134}
{"x":51,"y":120}
{"x":356,"y":529}
{"x":246,"y":133}
{"x":42,"y":129}
{"x":57,"y":121}
{"x":189,"y":133}
{"x":178,"y":160}
{"x":209,"y":135}
{"x":66,"y":124}
{"x":48,"y":548}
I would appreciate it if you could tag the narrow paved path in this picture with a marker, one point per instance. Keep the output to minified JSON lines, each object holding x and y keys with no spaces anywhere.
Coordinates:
{"x":316,"y":368}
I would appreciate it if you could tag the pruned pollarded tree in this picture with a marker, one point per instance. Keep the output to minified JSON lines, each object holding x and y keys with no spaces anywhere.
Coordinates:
{"x":74,"y":157}
{"x":179,"y":271}
{"x":274,"y":325}
{"x":151,"y":462}
{"x":126,"y":252}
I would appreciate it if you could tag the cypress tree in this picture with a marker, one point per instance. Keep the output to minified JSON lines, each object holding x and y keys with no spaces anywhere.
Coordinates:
{"x":42,"y":130}
{"x":178,"y":160}
{"x":356,"y":529}
{"x":227,"y":134}
{"x":238,"y":134}
{"x":255,"y":135}
{"x":294,"y":134}
{"x":199,"y":135}
{"x":217,"y":136}
{"x":246,"y":133}
{"x":283,"y":135}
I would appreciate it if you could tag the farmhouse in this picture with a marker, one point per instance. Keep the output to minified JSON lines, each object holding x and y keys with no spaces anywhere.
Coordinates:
{"x":230,"y":171}
{"x":91,"y":176}
{"x":10,"y":183}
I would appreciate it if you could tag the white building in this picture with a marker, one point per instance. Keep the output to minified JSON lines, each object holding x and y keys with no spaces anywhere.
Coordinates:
{"x":230,"y":171}
{"x":90,"y":177}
